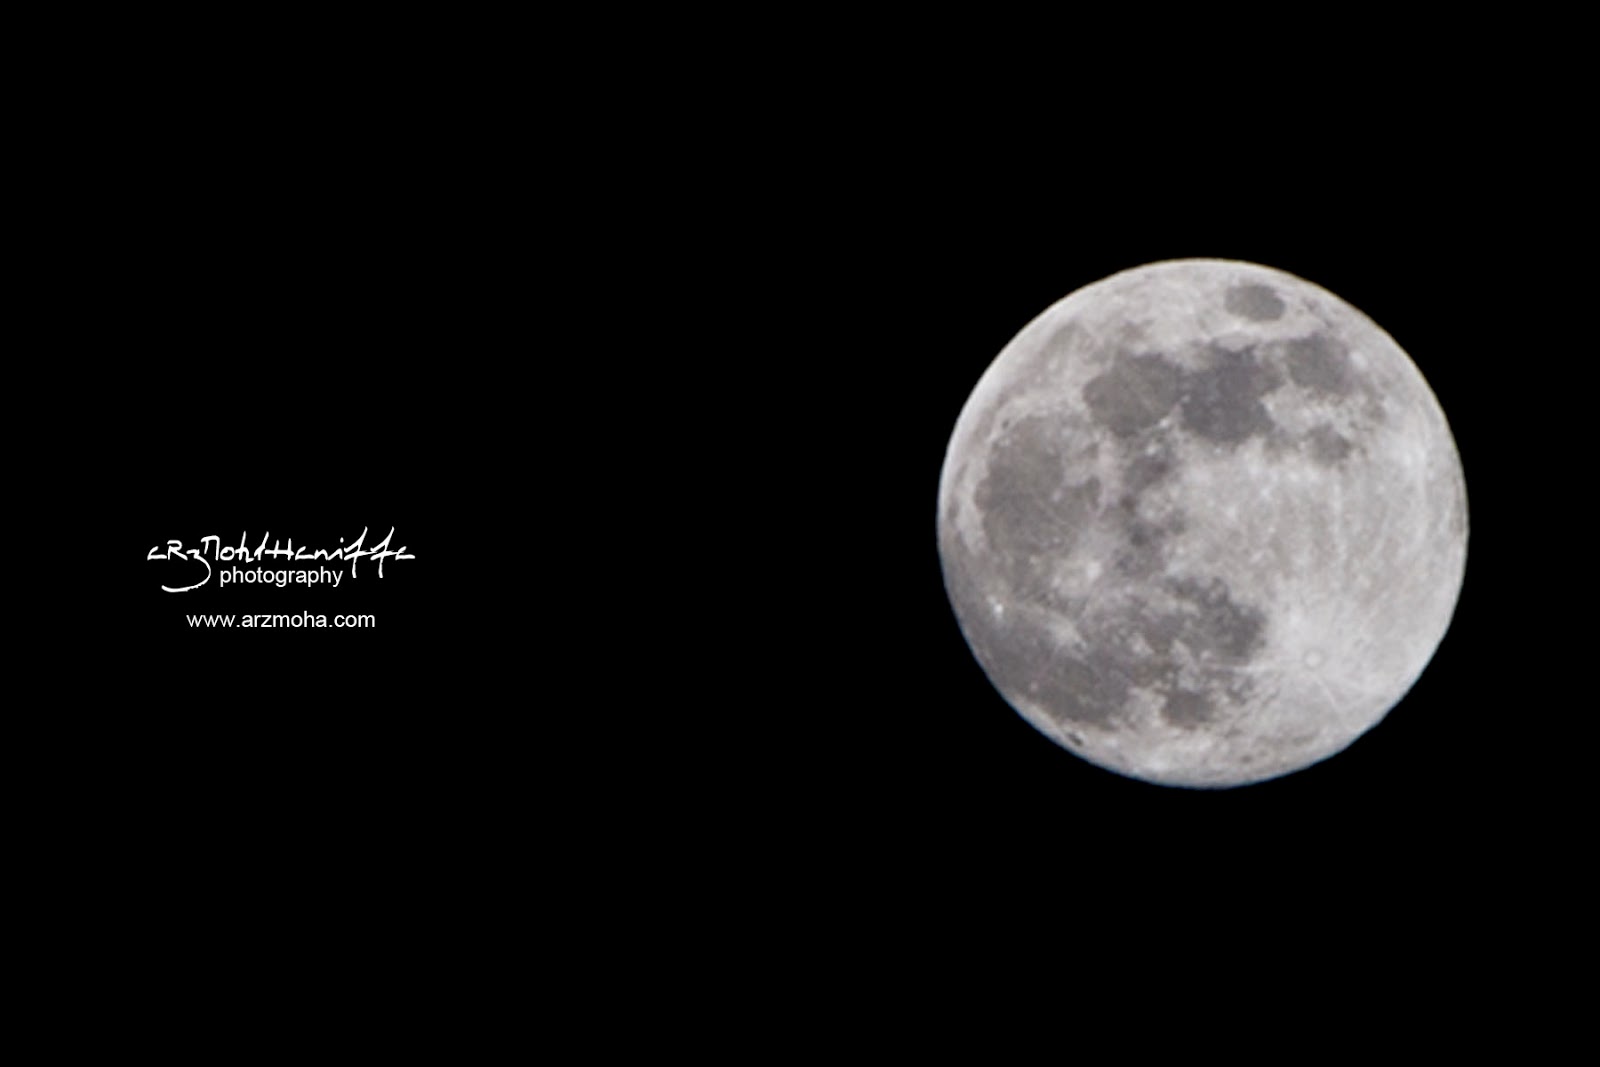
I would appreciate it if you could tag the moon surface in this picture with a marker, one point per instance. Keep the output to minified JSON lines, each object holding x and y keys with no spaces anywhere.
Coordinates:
{"x":1202,"y":523}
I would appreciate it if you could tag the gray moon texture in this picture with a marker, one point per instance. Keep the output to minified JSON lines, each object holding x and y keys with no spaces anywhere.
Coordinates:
{"x":1202,"y":523}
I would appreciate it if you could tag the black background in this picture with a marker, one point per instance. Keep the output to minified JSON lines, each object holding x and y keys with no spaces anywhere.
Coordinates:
{"x":730,"y":699}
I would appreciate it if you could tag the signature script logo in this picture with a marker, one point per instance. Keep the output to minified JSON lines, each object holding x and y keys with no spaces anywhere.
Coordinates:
{"x":212,"y":548}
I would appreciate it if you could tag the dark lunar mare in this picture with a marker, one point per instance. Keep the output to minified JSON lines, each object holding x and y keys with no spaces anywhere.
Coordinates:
{"x":1222,"y":401}
{"x":1259,"y":303}
{"x":1321,"y":364}
{"x":1035,"y":516}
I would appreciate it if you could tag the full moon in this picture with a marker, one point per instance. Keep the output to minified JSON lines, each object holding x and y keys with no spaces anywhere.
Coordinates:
{"x":1202,"y":523}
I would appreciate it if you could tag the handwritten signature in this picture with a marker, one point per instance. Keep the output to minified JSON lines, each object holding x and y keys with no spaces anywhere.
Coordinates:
{"x":243,"y":554}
